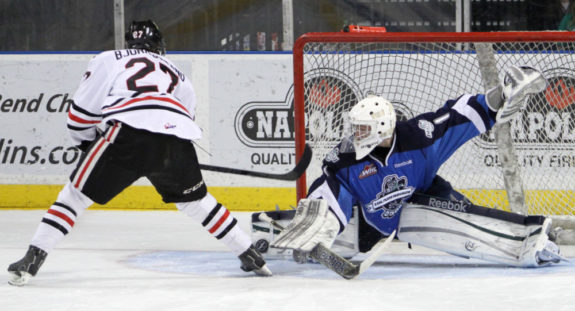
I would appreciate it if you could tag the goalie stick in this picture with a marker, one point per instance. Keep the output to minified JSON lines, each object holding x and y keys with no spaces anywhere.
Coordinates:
{"x":335,"y":262}
{"x":294,"y":174}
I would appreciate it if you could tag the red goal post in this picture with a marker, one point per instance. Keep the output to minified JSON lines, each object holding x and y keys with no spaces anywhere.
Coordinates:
{"x":418,"y":72}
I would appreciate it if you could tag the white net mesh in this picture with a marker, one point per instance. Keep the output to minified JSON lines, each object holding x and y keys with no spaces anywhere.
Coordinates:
{"x":420,"y":77}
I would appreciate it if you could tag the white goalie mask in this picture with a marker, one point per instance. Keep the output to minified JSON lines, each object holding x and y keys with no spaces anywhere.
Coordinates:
{"x":371,"y":121}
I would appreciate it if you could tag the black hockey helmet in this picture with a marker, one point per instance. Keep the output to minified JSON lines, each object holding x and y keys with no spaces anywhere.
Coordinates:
{"x":145,"y":35}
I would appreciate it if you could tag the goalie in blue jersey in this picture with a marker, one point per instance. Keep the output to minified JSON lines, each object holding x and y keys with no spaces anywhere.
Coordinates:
{"x":382,"y":166}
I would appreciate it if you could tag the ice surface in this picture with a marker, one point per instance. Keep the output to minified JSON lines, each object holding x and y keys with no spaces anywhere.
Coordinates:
{"x":162,"y":260}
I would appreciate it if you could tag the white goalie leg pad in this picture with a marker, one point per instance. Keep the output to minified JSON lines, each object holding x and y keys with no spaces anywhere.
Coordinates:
{"x":346,"y":244}
{"x":538,"y":250}
{"x":312,"y":224}
{"x":475,"y":236}
{"x":264,"y":233}
{"x":517,"y":84}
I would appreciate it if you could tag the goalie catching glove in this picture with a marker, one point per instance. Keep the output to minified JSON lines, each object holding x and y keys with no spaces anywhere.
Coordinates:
{"x":312,"y":224}
{"x":507,"y":99}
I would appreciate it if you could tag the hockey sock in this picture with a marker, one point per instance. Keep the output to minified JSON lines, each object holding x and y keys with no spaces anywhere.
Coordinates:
{"x":219,"y":222}
{"x":60,"y":218}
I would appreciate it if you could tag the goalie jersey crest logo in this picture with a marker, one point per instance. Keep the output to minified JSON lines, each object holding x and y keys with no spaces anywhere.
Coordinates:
{"x":394,"y":191}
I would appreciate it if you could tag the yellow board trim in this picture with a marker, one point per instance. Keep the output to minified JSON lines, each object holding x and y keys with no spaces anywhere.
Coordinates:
{"x":539,"y":202}
{"x":555,"y":202}
{"x":146,"y":198}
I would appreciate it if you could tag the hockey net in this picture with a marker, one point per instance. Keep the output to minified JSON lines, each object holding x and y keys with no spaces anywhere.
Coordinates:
{"x":418,"y":72}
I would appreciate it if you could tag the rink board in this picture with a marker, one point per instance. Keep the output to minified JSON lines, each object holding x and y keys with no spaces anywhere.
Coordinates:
{"x":244,"y":107}
{"x":235,"y":198}
{"x":146,"y":198}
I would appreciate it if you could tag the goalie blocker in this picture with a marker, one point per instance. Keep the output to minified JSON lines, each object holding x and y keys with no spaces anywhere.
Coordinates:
{"x":454,"y":227}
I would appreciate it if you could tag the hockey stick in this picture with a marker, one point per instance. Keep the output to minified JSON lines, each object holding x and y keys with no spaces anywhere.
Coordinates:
{"x":344,"y":267}
{"x":294,"y":174}
{"x":335,"y":262}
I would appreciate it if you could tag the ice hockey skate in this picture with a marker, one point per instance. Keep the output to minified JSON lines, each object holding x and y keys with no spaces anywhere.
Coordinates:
{"x":27,"y":267}
{"x":253,"y":261}
{"x":550,"y":254}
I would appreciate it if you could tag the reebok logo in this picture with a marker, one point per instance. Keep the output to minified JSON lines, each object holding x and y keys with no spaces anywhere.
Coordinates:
{"x":404,"y":163}
{"x":449,"y":205}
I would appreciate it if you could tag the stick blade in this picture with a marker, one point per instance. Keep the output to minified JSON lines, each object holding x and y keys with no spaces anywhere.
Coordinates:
{"x":334,"y":262}
{"x":302,"y":165}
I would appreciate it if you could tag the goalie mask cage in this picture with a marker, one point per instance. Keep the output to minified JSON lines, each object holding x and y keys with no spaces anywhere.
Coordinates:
{"x":418,"y":72}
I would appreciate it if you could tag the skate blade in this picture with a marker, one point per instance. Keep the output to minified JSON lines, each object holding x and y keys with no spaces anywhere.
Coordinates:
{"x":263,"y":271}
{"x":19,"y":279}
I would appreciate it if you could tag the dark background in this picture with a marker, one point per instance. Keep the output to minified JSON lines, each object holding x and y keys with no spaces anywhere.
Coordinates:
{"x":218,"y":25}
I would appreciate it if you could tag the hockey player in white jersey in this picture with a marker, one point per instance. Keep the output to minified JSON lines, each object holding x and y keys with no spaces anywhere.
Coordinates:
{"x":383,"y":164}
{"x":133,"y":116}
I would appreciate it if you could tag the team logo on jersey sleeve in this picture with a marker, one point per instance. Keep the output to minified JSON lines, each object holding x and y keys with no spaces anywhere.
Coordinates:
{"x":332,"y":156}
{"x":394,"y":190}
{"x":427,"y":127}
